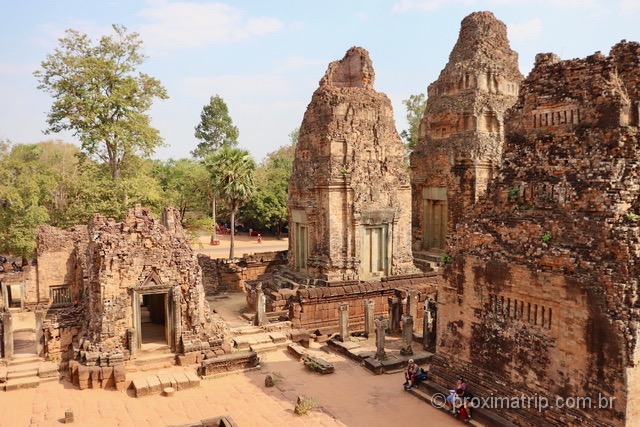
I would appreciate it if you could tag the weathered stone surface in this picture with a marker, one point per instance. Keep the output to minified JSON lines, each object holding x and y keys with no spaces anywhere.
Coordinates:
{"x":462,"y":133}
{"x":348,"y":179}
{"x":542,"y":292}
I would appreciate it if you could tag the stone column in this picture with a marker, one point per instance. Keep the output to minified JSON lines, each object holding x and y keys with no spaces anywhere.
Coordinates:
{"x":394,"y":314}
{"x":39,"y":332}
{"x":381,"y":326}
{"x":369,"y":311}
{"x":261,"y":307}
{"x":412,"y":302}
{"x":343,"y":320}
{"x":7,"y":324}
{"x":177,"y":318}
{"x":407,"y":335}
{"x":132,"y":336}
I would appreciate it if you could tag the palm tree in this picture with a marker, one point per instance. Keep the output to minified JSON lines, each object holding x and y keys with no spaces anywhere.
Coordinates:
{"x":231,"y":171}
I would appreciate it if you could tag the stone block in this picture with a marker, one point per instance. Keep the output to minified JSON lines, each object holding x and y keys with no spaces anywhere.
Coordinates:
{"x":140,"y":387}
{"x":194,"y":379}
{"x":83,"y":384}
{"x":84,"y":374}
{"x":187,"y":359}
{"x":166,"y":380}
{"x":155,"y":386}
{"x":182,"y":382}
{"x":119,"y":374}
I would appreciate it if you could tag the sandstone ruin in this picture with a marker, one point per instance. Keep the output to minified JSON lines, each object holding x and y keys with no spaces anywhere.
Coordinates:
{"x":462,"y":132}
{"x":529,"y":185}
{"x":349,"y":194}
{"x":542,"y":295}
{"x":113,"y":289}
{"x":350,"y":212}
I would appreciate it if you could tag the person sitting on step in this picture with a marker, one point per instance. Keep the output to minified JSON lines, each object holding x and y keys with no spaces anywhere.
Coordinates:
{"x":410,"y":374}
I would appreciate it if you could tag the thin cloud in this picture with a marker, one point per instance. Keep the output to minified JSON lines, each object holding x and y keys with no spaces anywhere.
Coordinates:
{"x":430,"y":5}
{"x":629,"y":6}
{"x":297,"y":63}
{"x":528,"y":30}
{"x":190,"y":24}
{"x":247,"y":88}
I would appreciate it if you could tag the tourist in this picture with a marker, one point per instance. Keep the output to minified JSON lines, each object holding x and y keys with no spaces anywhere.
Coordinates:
{"x":460,"y":384}
{"x":410,"y":374}
{"x":463,"y":404}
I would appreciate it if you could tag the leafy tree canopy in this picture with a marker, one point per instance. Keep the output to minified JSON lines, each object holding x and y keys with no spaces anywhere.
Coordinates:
{"x":99,"y":96}
{"x":415,"y":110}
{"x":267,"y":208}
{"x":215,"y":129}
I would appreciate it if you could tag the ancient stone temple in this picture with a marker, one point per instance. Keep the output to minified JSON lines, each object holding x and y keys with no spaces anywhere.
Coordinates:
{"x":349,"y":194}
{"x":462,"y":132}
{"x":349,"y":252}
{"x":124,"y":285}
{"x":542,"y":296}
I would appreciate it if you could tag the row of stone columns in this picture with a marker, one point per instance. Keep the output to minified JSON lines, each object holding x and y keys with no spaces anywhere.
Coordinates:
{"x":380,"y":324}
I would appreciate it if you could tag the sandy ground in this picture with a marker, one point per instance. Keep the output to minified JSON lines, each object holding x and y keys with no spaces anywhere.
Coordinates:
{"x":351,"y":396}
{"x":243,"y":244}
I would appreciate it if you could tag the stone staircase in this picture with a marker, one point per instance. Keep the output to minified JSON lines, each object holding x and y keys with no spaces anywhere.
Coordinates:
{"x":258,"y":339}
{"x":158,"y":357}
{"x":27,"y":371}
{"x":427,"y":260}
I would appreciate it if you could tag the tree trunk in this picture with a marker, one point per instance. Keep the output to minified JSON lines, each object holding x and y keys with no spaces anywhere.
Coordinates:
{"x":233,"y":232}
{"x":213,"y":215}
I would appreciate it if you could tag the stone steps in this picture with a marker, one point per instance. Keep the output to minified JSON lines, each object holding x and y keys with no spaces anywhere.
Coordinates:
{"x":26,"y":371}
{"x":21,"y":383}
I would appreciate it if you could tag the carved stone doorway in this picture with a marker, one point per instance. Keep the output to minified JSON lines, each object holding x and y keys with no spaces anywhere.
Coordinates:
{"x":152,"y":312}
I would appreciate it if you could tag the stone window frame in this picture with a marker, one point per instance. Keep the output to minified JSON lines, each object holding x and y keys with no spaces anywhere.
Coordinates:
{"x":65,"y":295}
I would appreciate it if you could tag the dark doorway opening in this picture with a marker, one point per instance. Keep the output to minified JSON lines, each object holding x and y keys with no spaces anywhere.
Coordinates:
{"x":153,"y":319}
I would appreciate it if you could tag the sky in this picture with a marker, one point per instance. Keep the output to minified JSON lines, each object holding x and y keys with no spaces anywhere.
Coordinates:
{"x":265,"y":58}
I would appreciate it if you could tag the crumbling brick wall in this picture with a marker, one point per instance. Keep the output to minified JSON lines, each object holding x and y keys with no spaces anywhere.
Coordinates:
{"x":543,"y":288}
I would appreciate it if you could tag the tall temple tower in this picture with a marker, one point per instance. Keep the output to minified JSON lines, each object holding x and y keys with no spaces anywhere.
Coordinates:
{"x":349,"y":194}
{"x":462,"y":131}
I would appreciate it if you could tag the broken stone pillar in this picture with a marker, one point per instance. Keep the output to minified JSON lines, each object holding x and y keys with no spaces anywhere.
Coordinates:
{"x":261,"y":306}
{"x":369,"y":311}
{"x":343,"y":320}
{"x":133,"y":341}
{"x":381,"y":326}
{"x":412,"y":304}
{"x":7,"y":324}
{"x":407,"y":335}
{"x":394,"y":314}
{"x":39,"y":332}
{"x":428,"y":326}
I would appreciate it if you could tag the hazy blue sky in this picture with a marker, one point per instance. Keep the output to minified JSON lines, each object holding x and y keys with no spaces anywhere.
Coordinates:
{"x":266,"y":57}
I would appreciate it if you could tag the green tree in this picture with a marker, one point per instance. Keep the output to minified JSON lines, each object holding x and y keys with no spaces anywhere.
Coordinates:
{"x":101,"y":98}
{"x":267,"y":208}
{"x":185,"y":184}
{"x":415,"y":110}
{"x":25,"y":190}
{"x":215,"y":129}
{"x":231,"y":171}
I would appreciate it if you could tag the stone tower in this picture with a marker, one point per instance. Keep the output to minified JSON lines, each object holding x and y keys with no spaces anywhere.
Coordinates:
{"x":349,"y":194}
{"x":462,"y":132}
{"x":542,"y":293}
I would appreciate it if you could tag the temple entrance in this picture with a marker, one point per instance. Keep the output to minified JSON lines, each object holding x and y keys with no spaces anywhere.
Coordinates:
{"x":152,"y":314}
{"x":12,"y":295}
{"x":24,"y":333}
